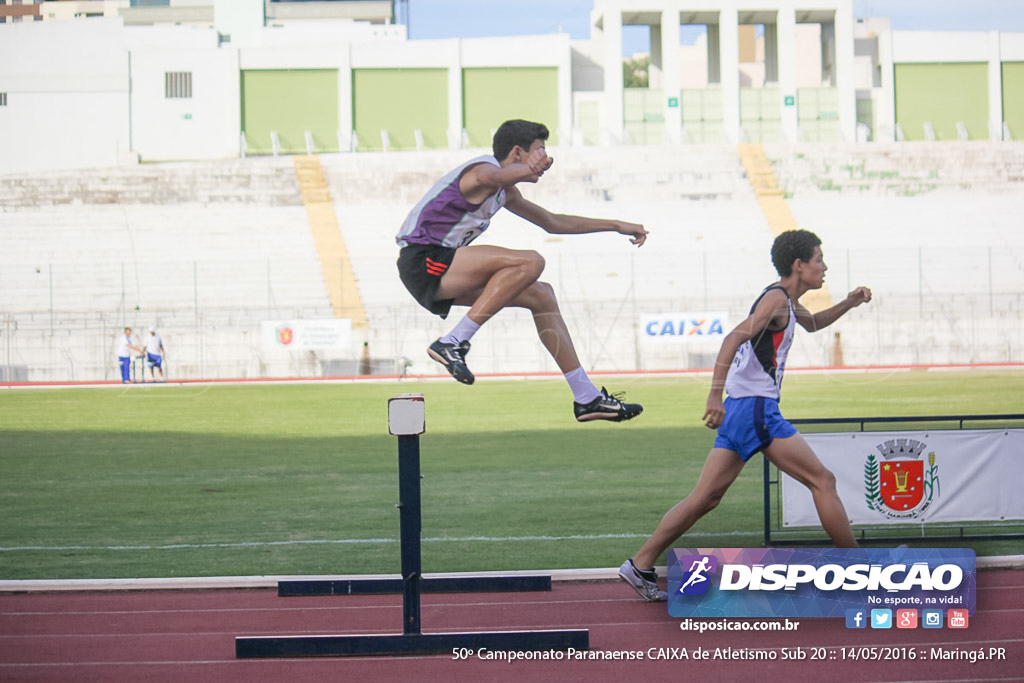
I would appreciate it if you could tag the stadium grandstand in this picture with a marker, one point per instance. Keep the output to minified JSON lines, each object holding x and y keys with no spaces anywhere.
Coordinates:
{"x":230,"y":169}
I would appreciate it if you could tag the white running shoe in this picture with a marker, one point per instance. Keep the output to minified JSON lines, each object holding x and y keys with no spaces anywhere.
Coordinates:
{"x":643,"y":582}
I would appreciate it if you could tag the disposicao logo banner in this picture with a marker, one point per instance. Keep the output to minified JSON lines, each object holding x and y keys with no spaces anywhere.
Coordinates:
{"x":817,"y":582}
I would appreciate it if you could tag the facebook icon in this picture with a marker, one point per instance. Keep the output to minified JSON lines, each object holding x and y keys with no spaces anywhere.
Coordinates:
{"x":856,"y":618}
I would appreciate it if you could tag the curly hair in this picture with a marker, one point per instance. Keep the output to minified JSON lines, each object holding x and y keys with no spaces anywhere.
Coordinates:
{"x":516,"y":132}
{"x":790,"y":246}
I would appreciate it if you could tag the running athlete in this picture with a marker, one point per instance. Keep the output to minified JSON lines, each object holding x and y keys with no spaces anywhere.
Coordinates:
{"x":440,"y":268}
{"x":749,"y":367}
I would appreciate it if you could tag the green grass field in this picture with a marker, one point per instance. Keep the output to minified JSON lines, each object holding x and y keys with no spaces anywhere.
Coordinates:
{"x":226,"y":480}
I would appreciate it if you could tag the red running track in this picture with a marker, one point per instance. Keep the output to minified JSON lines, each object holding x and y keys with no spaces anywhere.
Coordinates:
{"x":157,"y":636}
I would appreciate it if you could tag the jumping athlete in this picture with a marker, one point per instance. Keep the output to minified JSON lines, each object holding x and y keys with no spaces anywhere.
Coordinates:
{"x":749,"y":367}
{"x":440,"y":268}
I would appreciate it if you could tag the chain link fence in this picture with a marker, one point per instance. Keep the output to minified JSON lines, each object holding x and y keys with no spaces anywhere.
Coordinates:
{"x":931,"y":306}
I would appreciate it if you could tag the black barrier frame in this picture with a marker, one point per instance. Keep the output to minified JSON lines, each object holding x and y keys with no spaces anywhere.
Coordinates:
{"x":412,"y":640}
{"x":437,"y":584}
{"x":775,"y":480}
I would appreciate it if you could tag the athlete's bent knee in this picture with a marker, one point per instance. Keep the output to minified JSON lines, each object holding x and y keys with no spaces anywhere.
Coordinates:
{"x":534,"y":263}
{"x":544,"y":291}
{"x":823,"y":481}
{"x":830,"y":479}
{"x":709,"y":502}
{"x":539,"y":298}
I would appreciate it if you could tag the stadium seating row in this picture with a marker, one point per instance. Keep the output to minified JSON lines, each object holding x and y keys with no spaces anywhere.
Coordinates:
{"x":208,"y":250}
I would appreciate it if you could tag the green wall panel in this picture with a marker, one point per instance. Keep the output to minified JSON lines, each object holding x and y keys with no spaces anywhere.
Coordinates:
{"x":290,"y":102}
{"x":1013,"y":98}
{"x":942,"y":95}
{"x":643,"y":115}
{"x":702,"y":115}
{"x":491,"y":96}
{"x":761,"y":114}
{"x":818,"y":114}
{"x":400,"y":101}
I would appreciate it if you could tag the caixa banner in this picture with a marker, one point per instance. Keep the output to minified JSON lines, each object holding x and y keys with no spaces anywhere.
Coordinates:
{"x":817,"y":582}
{"x":685,"y":327}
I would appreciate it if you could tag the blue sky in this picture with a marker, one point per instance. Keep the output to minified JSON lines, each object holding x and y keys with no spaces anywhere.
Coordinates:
{"x":482,"y":18}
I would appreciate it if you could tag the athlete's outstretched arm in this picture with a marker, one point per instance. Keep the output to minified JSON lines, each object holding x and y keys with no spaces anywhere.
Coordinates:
{"x":566,"y":224}
{"x":813,"y":322}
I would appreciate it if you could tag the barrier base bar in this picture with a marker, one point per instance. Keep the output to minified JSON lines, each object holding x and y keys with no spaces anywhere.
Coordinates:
{"x":410,"y":643}
{"x":468,"y":584}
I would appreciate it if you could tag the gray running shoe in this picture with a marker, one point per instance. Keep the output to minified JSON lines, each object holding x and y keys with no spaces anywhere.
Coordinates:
{"x":453,"y":358}
{"x":644,"y":583}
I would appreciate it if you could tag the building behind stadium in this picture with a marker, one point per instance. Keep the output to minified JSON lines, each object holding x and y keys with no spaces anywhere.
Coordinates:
{"x":147,"y":81}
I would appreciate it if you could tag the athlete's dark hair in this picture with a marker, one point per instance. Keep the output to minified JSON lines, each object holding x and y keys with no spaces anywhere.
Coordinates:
{"x":790,"y":246}
{"x":517,"y":132}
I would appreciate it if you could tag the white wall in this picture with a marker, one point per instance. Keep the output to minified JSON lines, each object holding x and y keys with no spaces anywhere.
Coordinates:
{"x":940,"y":46}
{"x":1011,"y":47}
{"x":693,"y":64}
{"x":205,"y":126}
{"x":587,"y":69}
{"x":808,"y":51}
{"x":67,"y":95}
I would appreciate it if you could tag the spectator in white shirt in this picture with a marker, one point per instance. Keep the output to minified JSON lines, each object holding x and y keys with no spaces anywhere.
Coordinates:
{"x":126,"y":344}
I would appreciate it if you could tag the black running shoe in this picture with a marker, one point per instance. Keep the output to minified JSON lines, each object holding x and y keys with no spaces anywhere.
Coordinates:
{"x":453,"y":358}
{"x":606,"y":407}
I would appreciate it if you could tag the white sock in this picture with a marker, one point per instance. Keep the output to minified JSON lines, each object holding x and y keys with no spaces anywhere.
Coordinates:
{"x":583,"y":390}
{"x":463,"y":331}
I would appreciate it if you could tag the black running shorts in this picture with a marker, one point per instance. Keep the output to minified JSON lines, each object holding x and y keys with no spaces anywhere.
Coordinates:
{"x":421,"y":266}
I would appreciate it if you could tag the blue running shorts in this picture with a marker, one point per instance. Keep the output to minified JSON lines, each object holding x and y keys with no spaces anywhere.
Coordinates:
{"x":750,"y":425}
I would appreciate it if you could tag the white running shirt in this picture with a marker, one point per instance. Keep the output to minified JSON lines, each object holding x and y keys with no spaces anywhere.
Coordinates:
{"x":760,"y":362}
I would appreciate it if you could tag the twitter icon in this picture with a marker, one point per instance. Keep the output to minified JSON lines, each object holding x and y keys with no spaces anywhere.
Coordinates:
{"x":881,"y":618}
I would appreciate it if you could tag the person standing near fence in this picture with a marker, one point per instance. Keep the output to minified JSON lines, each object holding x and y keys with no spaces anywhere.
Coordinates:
{"x":749,"y":368}
{"x":155,"y":353}
{"x":440,"y":268}
{"x":126,"y":345}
